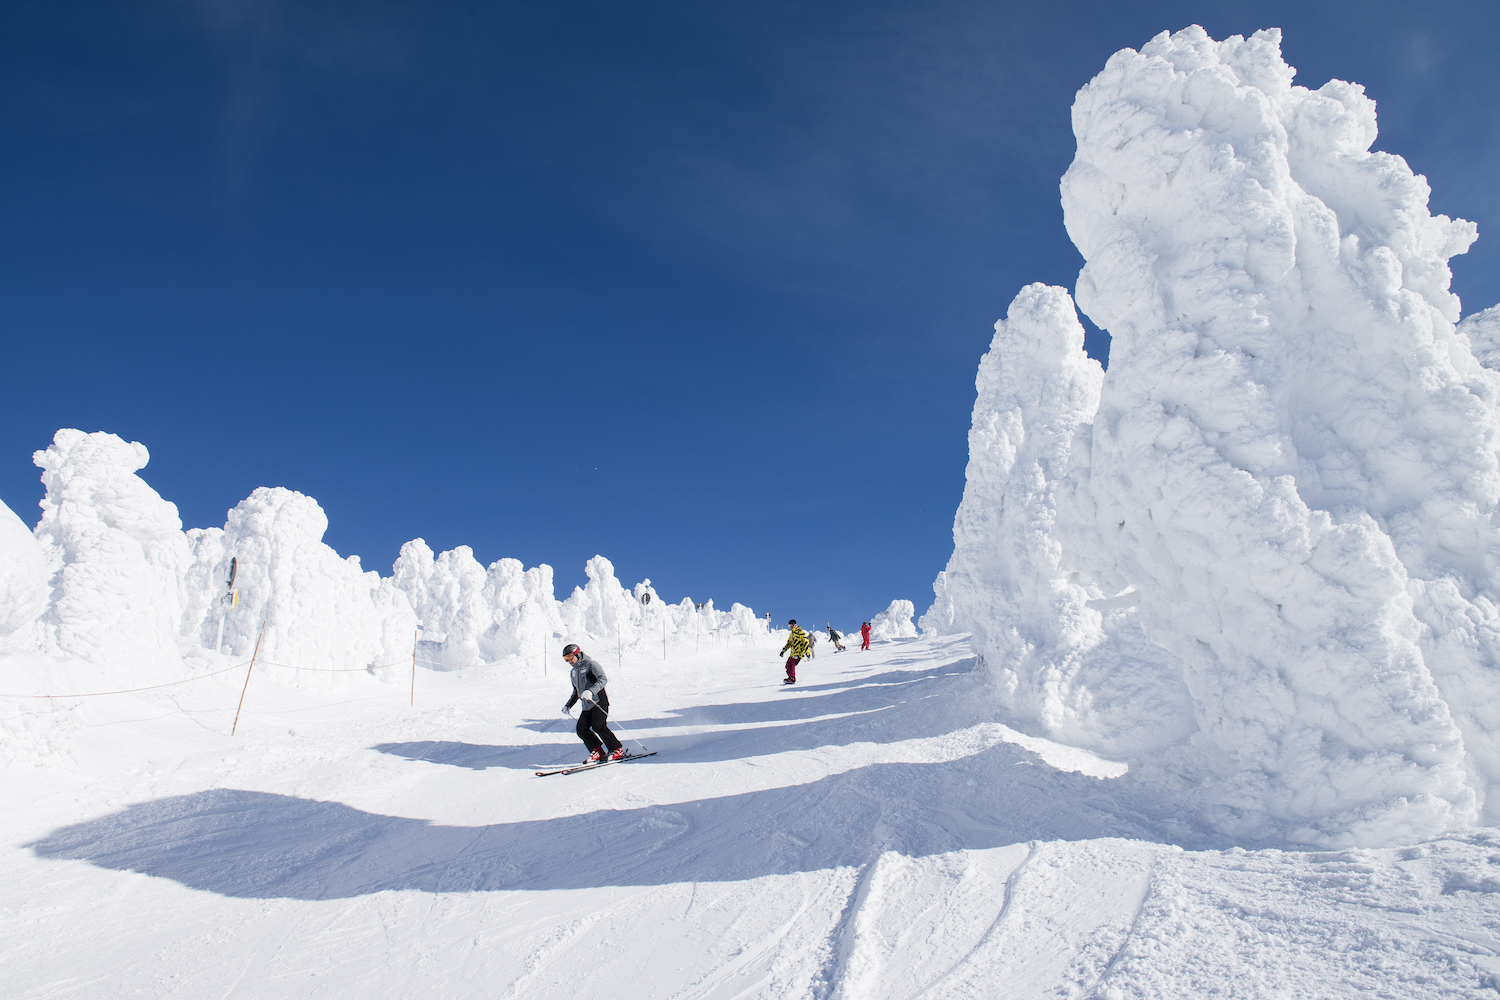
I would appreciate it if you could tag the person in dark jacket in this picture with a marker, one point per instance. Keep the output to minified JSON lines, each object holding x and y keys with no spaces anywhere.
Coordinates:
{"x":588,"y":688}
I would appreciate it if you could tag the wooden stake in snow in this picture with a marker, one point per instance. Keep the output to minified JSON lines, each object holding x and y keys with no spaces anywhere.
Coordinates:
{"x":414,"y":637}
{"x":235,"y":728}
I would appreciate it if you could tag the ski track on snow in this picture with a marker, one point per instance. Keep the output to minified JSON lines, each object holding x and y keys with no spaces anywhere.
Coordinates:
{"x":870,"y":836}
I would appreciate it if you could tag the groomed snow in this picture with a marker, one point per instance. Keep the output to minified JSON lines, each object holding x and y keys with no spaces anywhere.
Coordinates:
{"x":870,"y":833}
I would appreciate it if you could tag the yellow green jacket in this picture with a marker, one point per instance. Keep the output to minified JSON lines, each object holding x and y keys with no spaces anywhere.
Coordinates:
{"x":796,"y":643}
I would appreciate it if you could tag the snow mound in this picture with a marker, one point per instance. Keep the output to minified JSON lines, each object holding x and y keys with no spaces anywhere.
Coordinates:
{"x":604,"y":613}
{"x":894,"y":622}
{"x":1277,"y":509}
{"x":482,"y":614}
{"x":1064,"y":657}
{"x":1483,"y":331}
{"x":116,"y":555}
{"x":23,"y":574}
{"x":110,"y":594}
{"x":321,"y":613}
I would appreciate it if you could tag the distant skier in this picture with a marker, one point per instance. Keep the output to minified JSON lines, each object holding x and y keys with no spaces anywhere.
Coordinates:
{"x":838,"y":647}
{"x":588,"y":687}
{"x":797,"y":645}
{"x":812,"y":645}
{"x":864,"y":631}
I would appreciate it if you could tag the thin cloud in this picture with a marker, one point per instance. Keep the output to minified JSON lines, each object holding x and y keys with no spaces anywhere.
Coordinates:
{"x":262,"y":43}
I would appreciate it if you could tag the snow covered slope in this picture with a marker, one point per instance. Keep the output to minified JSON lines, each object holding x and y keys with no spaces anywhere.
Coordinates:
{"x":1258,"y":557}
{"x":867,"y":834}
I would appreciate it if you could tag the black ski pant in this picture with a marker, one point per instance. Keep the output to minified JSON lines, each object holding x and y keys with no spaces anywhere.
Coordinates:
{"x":593,"y":731}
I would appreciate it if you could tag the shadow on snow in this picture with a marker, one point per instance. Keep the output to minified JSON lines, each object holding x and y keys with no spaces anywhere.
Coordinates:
{"x":261,"y":845}
{"x":475,"y":756}
{"x":834,"y":713}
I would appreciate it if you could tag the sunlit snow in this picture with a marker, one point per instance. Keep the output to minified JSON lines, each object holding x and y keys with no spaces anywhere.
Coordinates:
{"x":1208,"y":702}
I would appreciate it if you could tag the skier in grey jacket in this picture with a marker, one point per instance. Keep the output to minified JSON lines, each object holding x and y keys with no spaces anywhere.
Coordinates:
{"x":588,"y":687}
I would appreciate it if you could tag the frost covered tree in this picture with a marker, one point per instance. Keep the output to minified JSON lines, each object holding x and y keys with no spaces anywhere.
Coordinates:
{"x":115,"y":553}
{"x":23,"y":575}
{"x":1289,"y":481}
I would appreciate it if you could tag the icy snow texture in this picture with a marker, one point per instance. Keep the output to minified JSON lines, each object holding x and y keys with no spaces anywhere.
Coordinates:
{"x":1483,"y":331}
{"x":481,"y":614}
{"x":1290,"y":475}
{"x":894,"y":622}
{"x":604,"y":609}
{"x":116,"y":555}
{"x":322,"y":613}
{"x":111,"y":579}
{"x":488,"y":614}
{"x":1064,"y":657}
{"x":23,"y":574}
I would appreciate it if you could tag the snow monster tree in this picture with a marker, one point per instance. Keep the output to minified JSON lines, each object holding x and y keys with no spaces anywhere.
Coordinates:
{"x":1258,"y":557}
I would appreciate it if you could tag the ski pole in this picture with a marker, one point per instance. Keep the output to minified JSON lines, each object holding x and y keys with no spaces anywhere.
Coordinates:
{"x":627,"y":735}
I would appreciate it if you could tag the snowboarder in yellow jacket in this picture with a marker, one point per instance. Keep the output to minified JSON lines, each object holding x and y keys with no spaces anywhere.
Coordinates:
{"x":797,"y":646}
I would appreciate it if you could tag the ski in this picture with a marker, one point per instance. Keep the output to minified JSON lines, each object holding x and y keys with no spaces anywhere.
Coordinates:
{"x":589,"y":766}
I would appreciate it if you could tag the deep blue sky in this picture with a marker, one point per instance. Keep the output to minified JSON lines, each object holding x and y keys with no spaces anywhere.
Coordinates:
{"x":701,"y":287}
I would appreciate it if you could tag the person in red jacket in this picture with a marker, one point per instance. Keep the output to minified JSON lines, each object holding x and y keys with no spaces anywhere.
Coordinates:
{"x":864,"y":632}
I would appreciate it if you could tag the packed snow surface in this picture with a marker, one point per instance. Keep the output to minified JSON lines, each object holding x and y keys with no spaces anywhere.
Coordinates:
{"x":868,"y":833}
{"x":1258,"y":558}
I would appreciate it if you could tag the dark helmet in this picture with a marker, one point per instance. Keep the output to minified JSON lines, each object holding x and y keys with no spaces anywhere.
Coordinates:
{"x":569,"y":650}
{"x":792,"y":622}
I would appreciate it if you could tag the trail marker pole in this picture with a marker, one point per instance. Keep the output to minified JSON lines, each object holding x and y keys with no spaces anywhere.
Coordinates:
{"x":664,"y":638}
{"x":235,"y":728}
{"x":414,"y":637}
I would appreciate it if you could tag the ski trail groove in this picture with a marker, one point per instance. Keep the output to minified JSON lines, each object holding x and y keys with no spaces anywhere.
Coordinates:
{"x":762,"y":949}
{"x":991,"y":932}
{"x":842,"y":941}
{"x":1135,"y":920}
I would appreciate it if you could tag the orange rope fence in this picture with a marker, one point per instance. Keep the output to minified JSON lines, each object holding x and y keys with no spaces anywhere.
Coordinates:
{"x":518,"y":661}
{"x":267,"y":663}
{"x":475,"y":666}
{"x":149,"y":687}
{"x":330,"y":670}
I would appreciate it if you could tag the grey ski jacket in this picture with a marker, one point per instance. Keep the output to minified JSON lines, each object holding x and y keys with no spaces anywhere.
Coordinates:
{"x":586,"y":674}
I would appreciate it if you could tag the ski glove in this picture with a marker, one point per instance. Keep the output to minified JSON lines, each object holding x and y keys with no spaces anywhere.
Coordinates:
{"x":566,"y":712}
{"x":587,"y":696}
